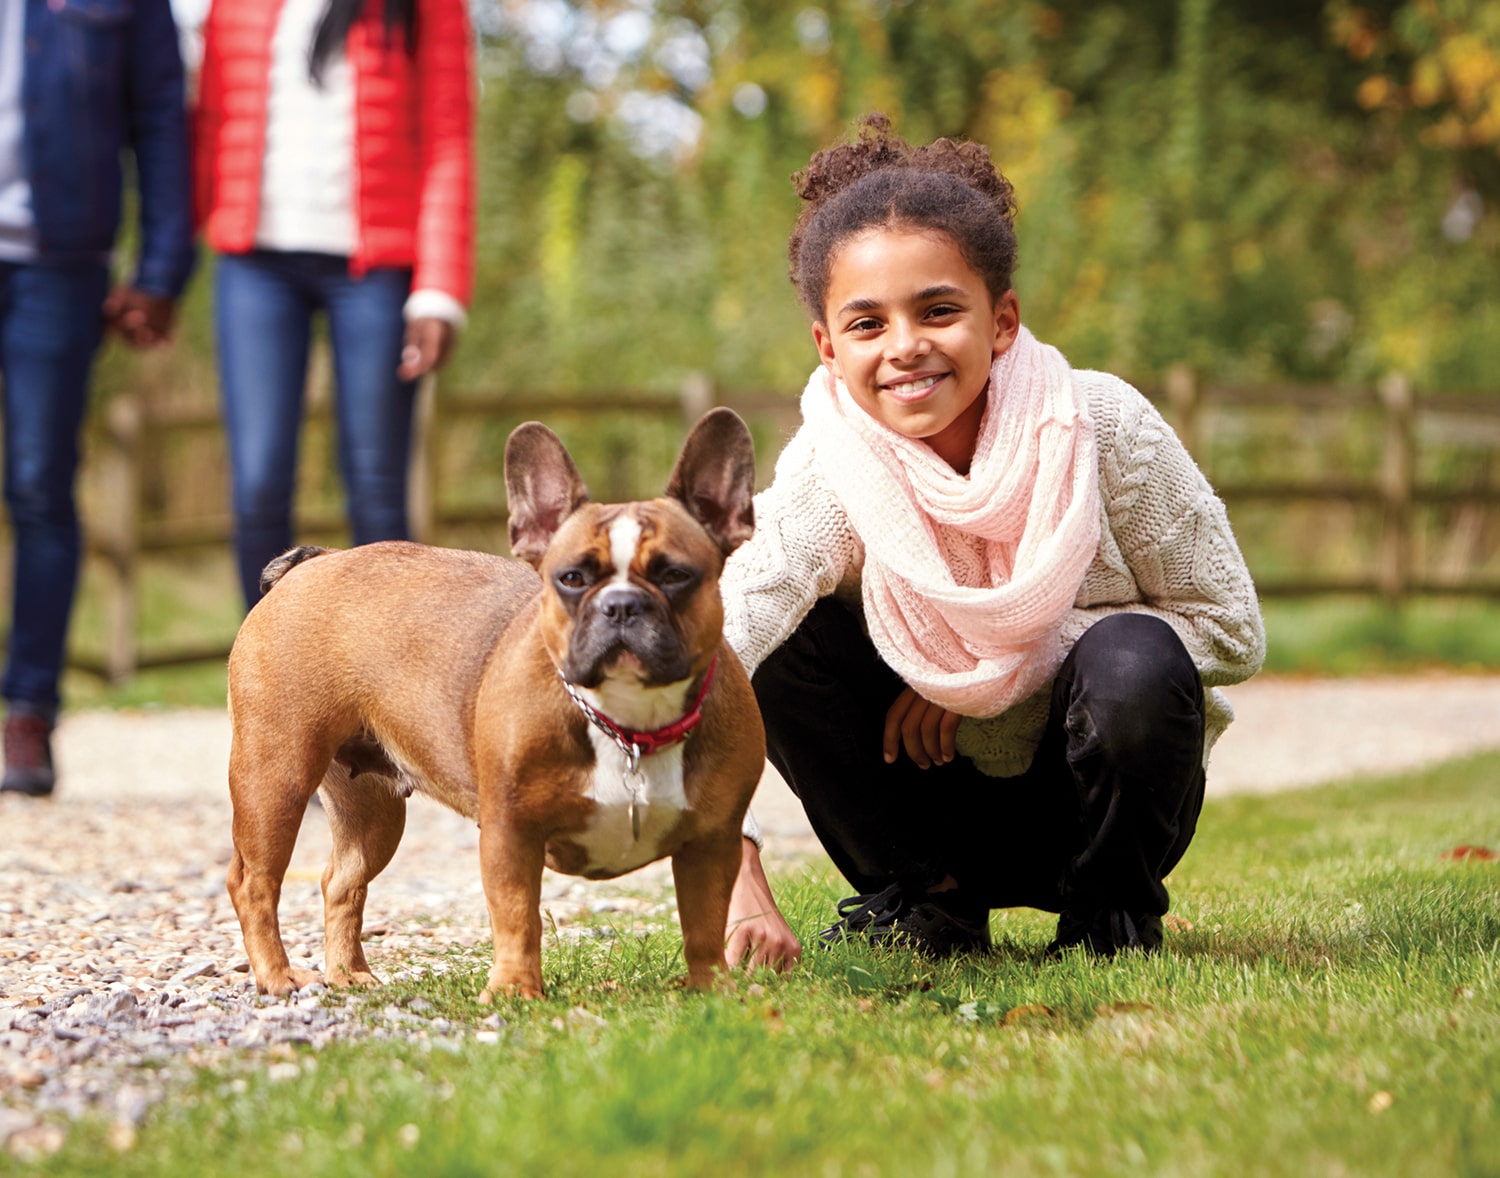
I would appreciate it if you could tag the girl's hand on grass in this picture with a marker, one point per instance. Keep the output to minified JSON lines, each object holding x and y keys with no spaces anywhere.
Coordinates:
{"x":924,"y":729}
{"x":758,"y":934}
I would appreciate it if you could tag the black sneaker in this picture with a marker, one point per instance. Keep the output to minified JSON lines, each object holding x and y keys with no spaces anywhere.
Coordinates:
{"x":936,"y":931}
{"x":28,"y":756}
{"x":861,"y":914}
{"x":1106,"y":931}
{"x":890,"y":919}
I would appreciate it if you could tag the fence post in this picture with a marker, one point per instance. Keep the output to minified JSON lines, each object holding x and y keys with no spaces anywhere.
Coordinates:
{"x":422,"y":473}
{"x":696,"y":396}
{"x":1182,"y":396}
{"x":120,"y":525}
{"x":1397,"y":470}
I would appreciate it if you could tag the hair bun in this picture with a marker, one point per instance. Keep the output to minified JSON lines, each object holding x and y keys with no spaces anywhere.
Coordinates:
{"x":878,"y":146}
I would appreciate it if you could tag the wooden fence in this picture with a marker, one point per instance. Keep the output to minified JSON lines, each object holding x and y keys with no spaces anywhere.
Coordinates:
{"x":128,"y":442}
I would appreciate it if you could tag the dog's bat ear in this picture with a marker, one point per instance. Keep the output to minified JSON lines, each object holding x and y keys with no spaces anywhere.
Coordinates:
{"x":542,"y":488}
{"x":715,"y":478}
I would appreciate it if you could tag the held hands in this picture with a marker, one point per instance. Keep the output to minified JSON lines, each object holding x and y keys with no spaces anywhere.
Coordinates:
{"x":428,"y":344}
{"x":758,"y":933}
{"x":923,"y":728}
{"x":142,"y":320}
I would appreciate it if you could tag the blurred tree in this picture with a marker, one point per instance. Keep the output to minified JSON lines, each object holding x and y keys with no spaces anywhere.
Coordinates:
{"x":1267,"y":189}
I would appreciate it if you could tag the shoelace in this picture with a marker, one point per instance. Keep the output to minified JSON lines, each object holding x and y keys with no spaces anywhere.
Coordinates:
{"x":872,"y":910}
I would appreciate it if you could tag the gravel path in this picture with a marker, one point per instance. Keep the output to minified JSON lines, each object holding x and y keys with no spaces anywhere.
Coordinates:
{"x":119,"y":948}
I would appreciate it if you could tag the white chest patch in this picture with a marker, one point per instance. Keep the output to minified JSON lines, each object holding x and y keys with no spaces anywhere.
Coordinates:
{"x":609,"y":840}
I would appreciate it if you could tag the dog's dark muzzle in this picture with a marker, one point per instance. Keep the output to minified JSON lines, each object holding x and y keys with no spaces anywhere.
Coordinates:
{"x":625,"y":618}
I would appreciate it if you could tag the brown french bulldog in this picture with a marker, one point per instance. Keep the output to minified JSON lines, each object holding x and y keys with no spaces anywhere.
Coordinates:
{"x":590,"y":718}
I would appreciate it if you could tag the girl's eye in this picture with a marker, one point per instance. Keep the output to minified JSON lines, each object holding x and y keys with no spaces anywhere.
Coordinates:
{"x":942,"y":311}
{"x":865,"y":325}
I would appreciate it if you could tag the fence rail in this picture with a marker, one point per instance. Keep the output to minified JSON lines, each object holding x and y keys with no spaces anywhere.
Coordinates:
{"x":130,"y":436}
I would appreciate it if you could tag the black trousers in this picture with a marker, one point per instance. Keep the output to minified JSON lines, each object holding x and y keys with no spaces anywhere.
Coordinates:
{"x":1105,"y":811}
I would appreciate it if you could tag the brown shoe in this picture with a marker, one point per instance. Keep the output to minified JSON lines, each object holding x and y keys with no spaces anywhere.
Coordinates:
{"x":28,"y":756}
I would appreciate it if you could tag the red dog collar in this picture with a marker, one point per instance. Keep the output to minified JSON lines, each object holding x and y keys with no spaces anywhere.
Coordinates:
{"x":636,"y":744}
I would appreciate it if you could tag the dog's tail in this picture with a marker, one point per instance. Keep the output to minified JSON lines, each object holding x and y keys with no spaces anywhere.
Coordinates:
{"x":283,"y":564}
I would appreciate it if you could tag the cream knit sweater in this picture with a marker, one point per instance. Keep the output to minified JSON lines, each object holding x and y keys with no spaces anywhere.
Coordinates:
{"x":1165,"y":549}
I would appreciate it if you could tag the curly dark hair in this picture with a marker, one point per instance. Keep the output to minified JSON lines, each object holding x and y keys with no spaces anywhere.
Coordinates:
{"x":881,"y":181}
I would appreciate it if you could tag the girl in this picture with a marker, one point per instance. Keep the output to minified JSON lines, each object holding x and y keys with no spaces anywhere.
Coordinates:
{"x":988,"y":596}
{"x":334,"y":171}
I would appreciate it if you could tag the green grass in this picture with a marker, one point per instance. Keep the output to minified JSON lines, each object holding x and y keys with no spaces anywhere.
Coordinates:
{"x":1361,"y":636}
{"x":1334,"y":1008}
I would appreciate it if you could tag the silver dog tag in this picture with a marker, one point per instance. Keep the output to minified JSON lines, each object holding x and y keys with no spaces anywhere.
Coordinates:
{"x":633,"y":778}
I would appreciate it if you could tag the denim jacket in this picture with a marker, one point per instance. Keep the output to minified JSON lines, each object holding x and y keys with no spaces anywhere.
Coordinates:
{"x":101,"y":77}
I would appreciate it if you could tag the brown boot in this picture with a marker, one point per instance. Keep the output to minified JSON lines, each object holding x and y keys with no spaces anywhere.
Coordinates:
{"x":28,"y":756}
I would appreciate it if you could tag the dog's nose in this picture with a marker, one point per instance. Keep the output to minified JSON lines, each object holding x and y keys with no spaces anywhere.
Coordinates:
{"x":621,"y":604}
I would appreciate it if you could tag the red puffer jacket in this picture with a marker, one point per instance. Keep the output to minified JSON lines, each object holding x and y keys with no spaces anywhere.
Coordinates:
{"x":414,"y":138}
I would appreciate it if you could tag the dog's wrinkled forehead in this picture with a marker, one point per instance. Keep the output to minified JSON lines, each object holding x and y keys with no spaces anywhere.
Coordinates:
{"x":622,"y":536}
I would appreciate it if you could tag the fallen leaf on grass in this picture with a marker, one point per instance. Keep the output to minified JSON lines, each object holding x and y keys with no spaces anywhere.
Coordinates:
{"x":1469,"y":853}
{"x":1177,"y":923}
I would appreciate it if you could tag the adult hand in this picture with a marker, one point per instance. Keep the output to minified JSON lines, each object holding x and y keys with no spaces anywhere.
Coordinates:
{"x":143,"y":320}
{"x":758,"y":933}
{"x":924,"y":729}
{"x":428,"y":343}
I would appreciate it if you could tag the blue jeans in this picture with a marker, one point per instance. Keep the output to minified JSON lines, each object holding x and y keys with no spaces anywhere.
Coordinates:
{"x":264,"y":303}
{"x":50,"y":328}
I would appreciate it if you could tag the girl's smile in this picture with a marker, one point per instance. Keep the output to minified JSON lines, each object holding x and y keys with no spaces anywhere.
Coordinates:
{"x":912,"y":331}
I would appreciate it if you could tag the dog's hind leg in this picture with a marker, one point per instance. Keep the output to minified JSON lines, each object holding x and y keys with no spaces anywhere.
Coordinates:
{"x":366,"y":817}
{"x":267,"y":817}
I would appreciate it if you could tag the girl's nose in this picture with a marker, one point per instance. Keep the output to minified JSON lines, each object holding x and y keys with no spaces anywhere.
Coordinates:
{"x":906,"y":341}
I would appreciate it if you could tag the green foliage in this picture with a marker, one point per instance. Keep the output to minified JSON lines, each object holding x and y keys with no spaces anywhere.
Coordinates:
{"x":1198,"y":181}
{"x":1328,"y":1002}
{"x":1267,"y":192}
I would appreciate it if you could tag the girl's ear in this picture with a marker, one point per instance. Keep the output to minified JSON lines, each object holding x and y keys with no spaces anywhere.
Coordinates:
{"x":824,"y":341}
{"x":1007,"y":321}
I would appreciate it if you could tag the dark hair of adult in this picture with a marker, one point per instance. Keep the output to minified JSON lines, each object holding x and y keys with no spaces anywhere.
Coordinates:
{"x":879,"y":181}
{"x":339,"y":18}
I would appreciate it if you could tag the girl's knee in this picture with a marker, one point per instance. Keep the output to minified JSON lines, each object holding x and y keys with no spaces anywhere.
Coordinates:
{"x":1128,"y":654}
{"x":1135,"y":691}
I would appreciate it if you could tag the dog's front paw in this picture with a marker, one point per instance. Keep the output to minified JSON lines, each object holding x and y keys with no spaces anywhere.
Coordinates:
{"x":712,"y":978}
{"x":507,"y":984}
{"x":352,"y":977}
{"x":288,"y":982}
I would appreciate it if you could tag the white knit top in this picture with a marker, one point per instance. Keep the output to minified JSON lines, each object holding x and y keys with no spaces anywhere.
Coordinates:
{"x":307,"y":179}
{"x":1165,"y":549}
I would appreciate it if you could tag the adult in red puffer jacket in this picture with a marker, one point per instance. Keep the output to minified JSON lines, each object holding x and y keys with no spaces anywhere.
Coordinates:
{"x":334,"y":176}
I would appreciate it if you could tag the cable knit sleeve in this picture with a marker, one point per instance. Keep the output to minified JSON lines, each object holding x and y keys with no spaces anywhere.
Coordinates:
{"x":1168,"y":549}
{"x":803,"y":549}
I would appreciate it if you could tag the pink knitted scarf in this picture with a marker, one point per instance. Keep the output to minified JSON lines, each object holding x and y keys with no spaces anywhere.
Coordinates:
{"x":968,"y":578}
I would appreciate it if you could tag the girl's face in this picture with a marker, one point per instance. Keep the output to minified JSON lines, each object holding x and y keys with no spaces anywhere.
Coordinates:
{"x":912,"y":331}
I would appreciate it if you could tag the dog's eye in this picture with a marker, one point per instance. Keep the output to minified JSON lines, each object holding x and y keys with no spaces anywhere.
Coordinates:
{"x":572,"y":579}
{"x":674,"y":577}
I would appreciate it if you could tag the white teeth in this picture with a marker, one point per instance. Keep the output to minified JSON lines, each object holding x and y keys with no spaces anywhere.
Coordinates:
{"x":914,"y":386}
